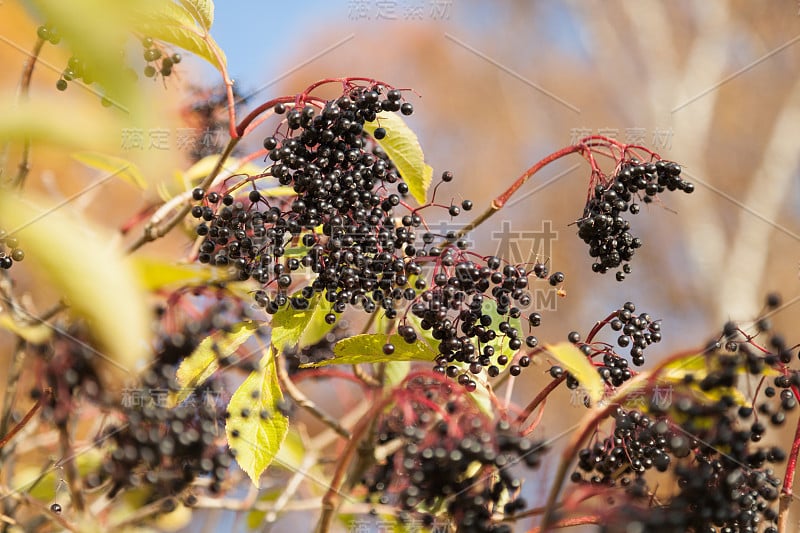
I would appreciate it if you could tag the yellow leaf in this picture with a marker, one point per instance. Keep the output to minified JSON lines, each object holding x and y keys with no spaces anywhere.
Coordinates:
{"x":256,"y":439}
{"x":154,"y":274}
{"x":77,"y":261}
{"x":204,"y":360}
{"x":402,"y":147}
{"x":576,"y":362}
{"x":33,"y":333}
{"x":116,"y":166}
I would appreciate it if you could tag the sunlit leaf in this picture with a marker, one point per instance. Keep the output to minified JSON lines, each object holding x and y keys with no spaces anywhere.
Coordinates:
{"x":402,"y":147}
{"x":172,"y":23}
{"x":368,"y":348}
{"x":257,"y":437}
{"x":155,"y":273}
{"x":201,"y":10}
{"x":204,"y":360}
{"x":576,"y":362}
{"x":93,"y":276}
{"x":33,"y":333}
{"x":304,"y":326}
{"x":114,"y":166}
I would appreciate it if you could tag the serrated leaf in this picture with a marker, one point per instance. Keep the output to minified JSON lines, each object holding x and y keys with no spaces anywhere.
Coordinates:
{"x":77,"y":261}
{"x":402,"y":147}
{"x":116,"y":166}
{"x":258,"y":439}
{"x":155,"y":274}
{"x":576,"y":362}
{"x":201,"y":10}
{"x":204,"y":360}
{"x":304,"y":326}
{"x":33,"y":333}
{"x":368,"y":348}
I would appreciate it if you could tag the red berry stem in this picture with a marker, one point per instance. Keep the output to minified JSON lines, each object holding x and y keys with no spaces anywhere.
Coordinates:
{"x":788,"y":479}
{"x":569,"y":522}
{"x":531,"y":407}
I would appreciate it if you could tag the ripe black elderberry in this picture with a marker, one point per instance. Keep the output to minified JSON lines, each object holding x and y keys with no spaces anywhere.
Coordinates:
{"x":603,"y":226}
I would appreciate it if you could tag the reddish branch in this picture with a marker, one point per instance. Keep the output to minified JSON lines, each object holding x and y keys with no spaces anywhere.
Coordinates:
{"x":22,"y":423}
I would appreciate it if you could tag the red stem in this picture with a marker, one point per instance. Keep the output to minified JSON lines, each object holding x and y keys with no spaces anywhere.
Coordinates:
{"x":791,"y":465}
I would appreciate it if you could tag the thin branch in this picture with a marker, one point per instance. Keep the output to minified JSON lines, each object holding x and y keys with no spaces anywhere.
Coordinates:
{"x":22,"y":423}
{"x":153,"y":231}
{"x":24,"y":87}
{"x":300,"y":399}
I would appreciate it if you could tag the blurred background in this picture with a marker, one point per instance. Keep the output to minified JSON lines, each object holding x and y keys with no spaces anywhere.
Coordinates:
{"x":711,"y":85}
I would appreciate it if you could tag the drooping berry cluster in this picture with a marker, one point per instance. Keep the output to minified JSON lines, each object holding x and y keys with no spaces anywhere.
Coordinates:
{"x":603,"y":226}
{"x":453,"y":455}
{"x":10,"y":251}
{"x":473,"y":311}
{"x":638,"y":444}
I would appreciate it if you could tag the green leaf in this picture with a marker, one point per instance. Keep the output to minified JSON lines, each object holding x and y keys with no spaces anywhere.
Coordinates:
{"x":394,"y":372}
{"x":305,"y":326}
{"x":78,"y":261}
{"x":576,"y":362}
{"x":204,"y":360}
{"x":368,"y":348}
{"x":402,"y":147}
{"x":155,"y":274}
{"x":118,"y":167}
{"x":201,"y":10}
{"x":258,"y":439}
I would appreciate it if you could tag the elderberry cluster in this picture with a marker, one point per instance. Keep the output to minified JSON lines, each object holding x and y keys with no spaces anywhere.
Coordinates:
{"x":460,"y":459}
{"x":473,"y":311}
{"x":603,"y":226}
{"x":10,"y":251}
{"x":339,"y":224}
{"x":163,"y":448}
{"x":638,"y":444}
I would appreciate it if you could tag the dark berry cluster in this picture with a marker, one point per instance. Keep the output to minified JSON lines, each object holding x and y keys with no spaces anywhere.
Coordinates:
{"x":10,"y":251}
{"x":455,"y":456}
{"x":473,"y":312}
{"x":637,"y":331}
{"x":706,"y":438}
{"x":340,"y":222}
{"x":603,"y":226}
{"x":164,"y":448}
{"x":638,"y":444}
